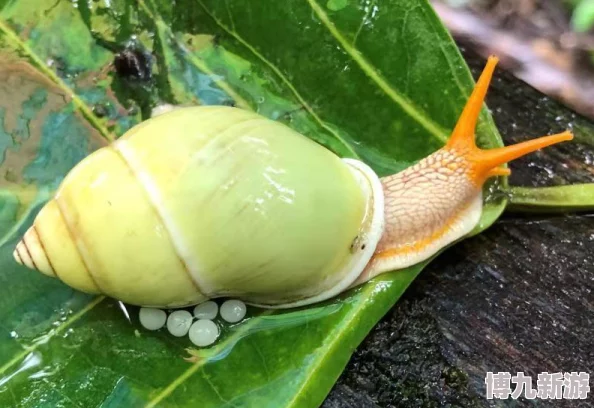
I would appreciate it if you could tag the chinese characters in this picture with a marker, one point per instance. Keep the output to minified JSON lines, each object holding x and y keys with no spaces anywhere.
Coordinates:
{"x":571,"y":385}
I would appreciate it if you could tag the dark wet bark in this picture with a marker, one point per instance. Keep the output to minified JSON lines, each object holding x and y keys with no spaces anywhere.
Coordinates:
{"x":518,"y":297}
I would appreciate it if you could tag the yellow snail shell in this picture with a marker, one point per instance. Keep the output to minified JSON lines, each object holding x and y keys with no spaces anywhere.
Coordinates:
{"x":209,"y":201}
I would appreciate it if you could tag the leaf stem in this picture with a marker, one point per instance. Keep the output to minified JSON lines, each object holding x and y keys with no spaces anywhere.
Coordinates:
{"x":575,"y":197}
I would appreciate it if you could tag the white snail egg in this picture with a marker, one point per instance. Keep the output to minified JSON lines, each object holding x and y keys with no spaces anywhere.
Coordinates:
{"x":233,"y":310}
{"x":206,"y":310}
{"x":152,"y":319}
{"x":203,"y":332}
{"x":179,"y":322}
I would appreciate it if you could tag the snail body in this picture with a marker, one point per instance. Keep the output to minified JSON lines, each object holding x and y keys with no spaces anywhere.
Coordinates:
{"x":214,"y":201}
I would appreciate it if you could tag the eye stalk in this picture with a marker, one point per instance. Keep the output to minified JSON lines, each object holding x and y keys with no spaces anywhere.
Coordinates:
{"x":482,"y":164}
{"x":439,"y":199}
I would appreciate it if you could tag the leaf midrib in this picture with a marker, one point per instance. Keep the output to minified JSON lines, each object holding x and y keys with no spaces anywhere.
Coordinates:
{"x":211,"y":352}
{"x":279,"y":73}
{"x":336,"y":336}
{"x":48,"y":73}
{"x":405,"y":104}
{"x":52,"y":333}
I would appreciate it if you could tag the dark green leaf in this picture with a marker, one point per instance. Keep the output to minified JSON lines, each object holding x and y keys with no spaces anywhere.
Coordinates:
{"x":382,"y":82}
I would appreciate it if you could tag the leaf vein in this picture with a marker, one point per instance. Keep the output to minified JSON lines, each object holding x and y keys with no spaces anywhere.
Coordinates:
{"x":408,"y":59}
{"x":264,"y":364}
{"x":200,"y":363}
{"x":230,"y":15}
{"x":51,"y":334}
{"x":227,"y":402}
{"x":335,"y":336}
{"x":239,"y":101}
{"x":407,"y":106}
{"x":363,"y":21}
{"x":464,"y":91}
{"x":48,"y":73}
{"x":283,"y":78}
{"x":41,"y":196}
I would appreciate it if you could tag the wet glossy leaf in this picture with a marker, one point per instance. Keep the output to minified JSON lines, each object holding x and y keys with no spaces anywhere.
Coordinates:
{"x":378,"y":81}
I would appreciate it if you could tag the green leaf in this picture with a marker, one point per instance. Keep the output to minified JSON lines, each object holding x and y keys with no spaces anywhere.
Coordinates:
{"x":575,"y":197}
{"x":582,"y":18}
{"x":381,"y":82}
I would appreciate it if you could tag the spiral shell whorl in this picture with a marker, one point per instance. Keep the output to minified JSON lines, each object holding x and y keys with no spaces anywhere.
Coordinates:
{"x":30,"y":253}
{"x":48,"y":247}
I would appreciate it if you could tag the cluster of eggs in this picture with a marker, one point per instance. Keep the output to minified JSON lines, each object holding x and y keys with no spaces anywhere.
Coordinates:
{"x":199,"y":325}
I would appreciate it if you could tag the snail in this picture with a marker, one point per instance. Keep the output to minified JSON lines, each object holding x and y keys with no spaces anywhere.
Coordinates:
{"x":216,"y":201}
